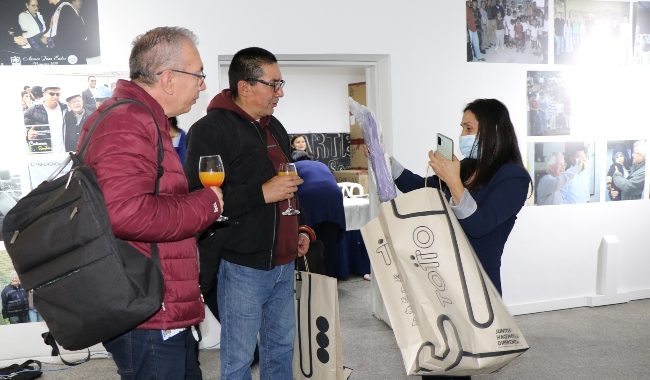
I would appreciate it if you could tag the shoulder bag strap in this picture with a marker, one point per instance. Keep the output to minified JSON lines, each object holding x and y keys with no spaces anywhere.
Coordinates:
{"x":161,"y":155}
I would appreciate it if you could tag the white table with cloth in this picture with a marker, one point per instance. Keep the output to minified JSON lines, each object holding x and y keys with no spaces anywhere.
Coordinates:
{"x":353,"y":257}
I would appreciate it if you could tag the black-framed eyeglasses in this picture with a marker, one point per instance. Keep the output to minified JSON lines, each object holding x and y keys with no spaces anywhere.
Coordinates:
{"x":200,"y":76}
{"x":54,"y":93}
{"x":276,"y":86}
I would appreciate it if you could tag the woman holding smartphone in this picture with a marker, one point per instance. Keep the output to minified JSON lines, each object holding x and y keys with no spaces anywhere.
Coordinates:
{"x":486,"y":189}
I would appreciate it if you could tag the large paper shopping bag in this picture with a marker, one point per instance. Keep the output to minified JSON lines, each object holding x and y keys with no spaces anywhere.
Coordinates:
{"x":400,"y":313}
{"x":318,"y":353}
{"x":464,"y":325}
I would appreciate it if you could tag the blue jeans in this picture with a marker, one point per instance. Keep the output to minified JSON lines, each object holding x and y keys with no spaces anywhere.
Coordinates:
{"x":473,"y":37}
{"x":253,"y":301}
{"x":35,"y":316}
{"x":19,"y":319}
{"x":559,"y":45}
{"x":142,"y":354}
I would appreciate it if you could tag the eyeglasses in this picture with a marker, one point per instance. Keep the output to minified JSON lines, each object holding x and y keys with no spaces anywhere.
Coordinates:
{"x":54,"y":93}
{"x":276,"y":86}
{"x":200,"y":76}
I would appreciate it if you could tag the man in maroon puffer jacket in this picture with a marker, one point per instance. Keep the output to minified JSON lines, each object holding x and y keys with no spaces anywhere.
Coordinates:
{"x":167,"y":76}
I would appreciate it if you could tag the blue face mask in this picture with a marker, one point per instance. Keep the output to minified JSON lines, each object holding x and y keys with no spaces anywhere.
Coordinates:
{"x":468,"y":146}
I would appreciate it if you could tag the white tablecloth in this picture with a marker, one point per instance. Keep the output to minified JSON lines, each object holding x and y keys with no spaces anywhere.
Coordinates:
{"x":357,"y":212}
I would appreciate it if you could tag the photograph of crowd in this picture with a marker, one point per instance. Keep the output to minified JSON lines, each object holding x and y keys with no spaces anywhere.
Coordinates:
{"x":642,"y":33}
{"x":563,"y":172}
{"x":625,"y":175}
{"x":49,"y":32}
{"x":549,"y":103}
{"x":507,"y":31}
{"x":54,"y":111}
{"x":587,"y":32}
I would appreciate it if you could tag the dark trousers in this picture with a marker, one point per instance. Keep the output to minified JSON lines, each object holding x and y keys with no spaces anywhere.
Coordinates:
{"x":142,"y":354}
{"x":328,"y":233}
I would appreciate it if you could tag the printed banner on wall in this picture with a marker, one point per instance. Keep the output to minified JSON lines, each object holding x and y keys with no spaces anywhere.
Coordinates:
{"x":34,"y":32}
{"x":54,"y":109}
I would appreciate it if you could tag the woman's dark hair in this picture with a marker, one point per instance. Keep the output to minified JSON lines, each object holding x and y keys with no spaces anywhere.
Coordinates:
{"x":173,"y":122}
{"x":497,"y":143}
{"x":294,"y":138}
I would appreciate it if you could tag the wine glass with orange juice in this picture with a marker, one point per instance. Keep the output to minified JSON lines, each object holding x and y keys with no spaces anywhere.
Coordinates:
{"x":211,"y":173}
{"x":288,"y":168}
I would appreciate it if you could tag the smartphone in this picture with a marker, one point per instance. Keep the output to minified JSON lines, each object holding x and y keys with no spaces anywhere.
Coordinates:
{"x":445,"y":146}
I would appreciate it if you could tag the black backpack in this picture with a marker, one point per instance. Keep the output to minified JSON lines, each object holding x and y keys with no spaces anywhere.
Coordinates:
{"x":88,"y":285}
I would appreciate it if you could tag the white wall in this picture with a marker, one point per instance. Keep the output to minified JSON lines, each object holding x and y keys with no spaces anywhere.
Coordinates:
{"x":550,"y":258}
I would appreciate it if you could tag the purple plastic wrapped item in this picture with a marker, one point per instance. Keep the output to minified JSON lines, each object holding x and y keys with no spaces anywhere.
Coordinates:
{"x":379,"y":163}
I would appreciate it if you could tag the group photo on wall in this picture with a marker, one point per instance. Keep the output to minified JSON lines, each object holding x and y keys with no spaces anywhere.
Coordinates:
{"x":49,"y":32}
{"x":592,"y":32}
{"x":55,"y":108}
{"x":549,"y":103}
{"x":642,"y":33}
{"x":507,"y":32}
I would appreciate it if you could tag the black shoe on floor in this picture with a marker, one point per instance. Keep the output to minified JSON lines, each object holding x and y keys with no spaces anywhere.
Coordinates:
{"x":483,"y":52}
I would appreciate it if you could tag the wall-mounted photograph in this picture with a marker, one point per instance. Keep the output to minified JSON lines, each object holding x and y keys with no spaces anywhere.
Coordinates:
{"x":49,"y":32}
{"x":549,"y":103}
{"x":625,"y":176}
{"x":507,"y":32}
{"x":55,"y":108}
{"x":17,"y":304}
{"x":642,"y":33}
{"x":589,"y":32}
{"x":563,"y":172}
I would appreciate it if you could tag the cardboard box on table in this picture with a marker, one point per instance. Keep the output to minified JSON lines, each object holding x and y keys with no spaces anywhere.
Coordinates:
{"x":355,"y":176}
{"x":358,"y":159}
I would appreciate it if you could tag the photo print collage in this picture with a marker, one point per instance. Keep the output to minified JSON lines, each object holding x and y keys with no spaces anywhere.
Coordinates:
{"x":572,"y":32}
{"x":566,"y":160}
{"x":565,"y":168}
{"x":54,"y":108}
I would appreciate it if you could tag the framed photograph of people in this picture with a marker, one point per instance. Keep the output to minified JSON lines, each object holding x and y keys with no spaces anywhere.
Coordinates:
{"x":592,"y":32}
{"x":502,"y":31}
{"x":17,"y":303}
{"x":55,"y":108}
{"x":548,"y":98}
{"x":49,"y":32}
{"x":625,"y":170}
{"x":563,"y":172}
{"x":642,"y":33}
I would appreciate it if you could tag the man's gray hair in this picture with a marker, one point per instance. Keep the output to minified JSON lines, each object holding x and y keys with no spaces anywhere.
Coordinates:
{"x":640,"y":148}
{"x":552,"y":158}
{"x":156,"y":50}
